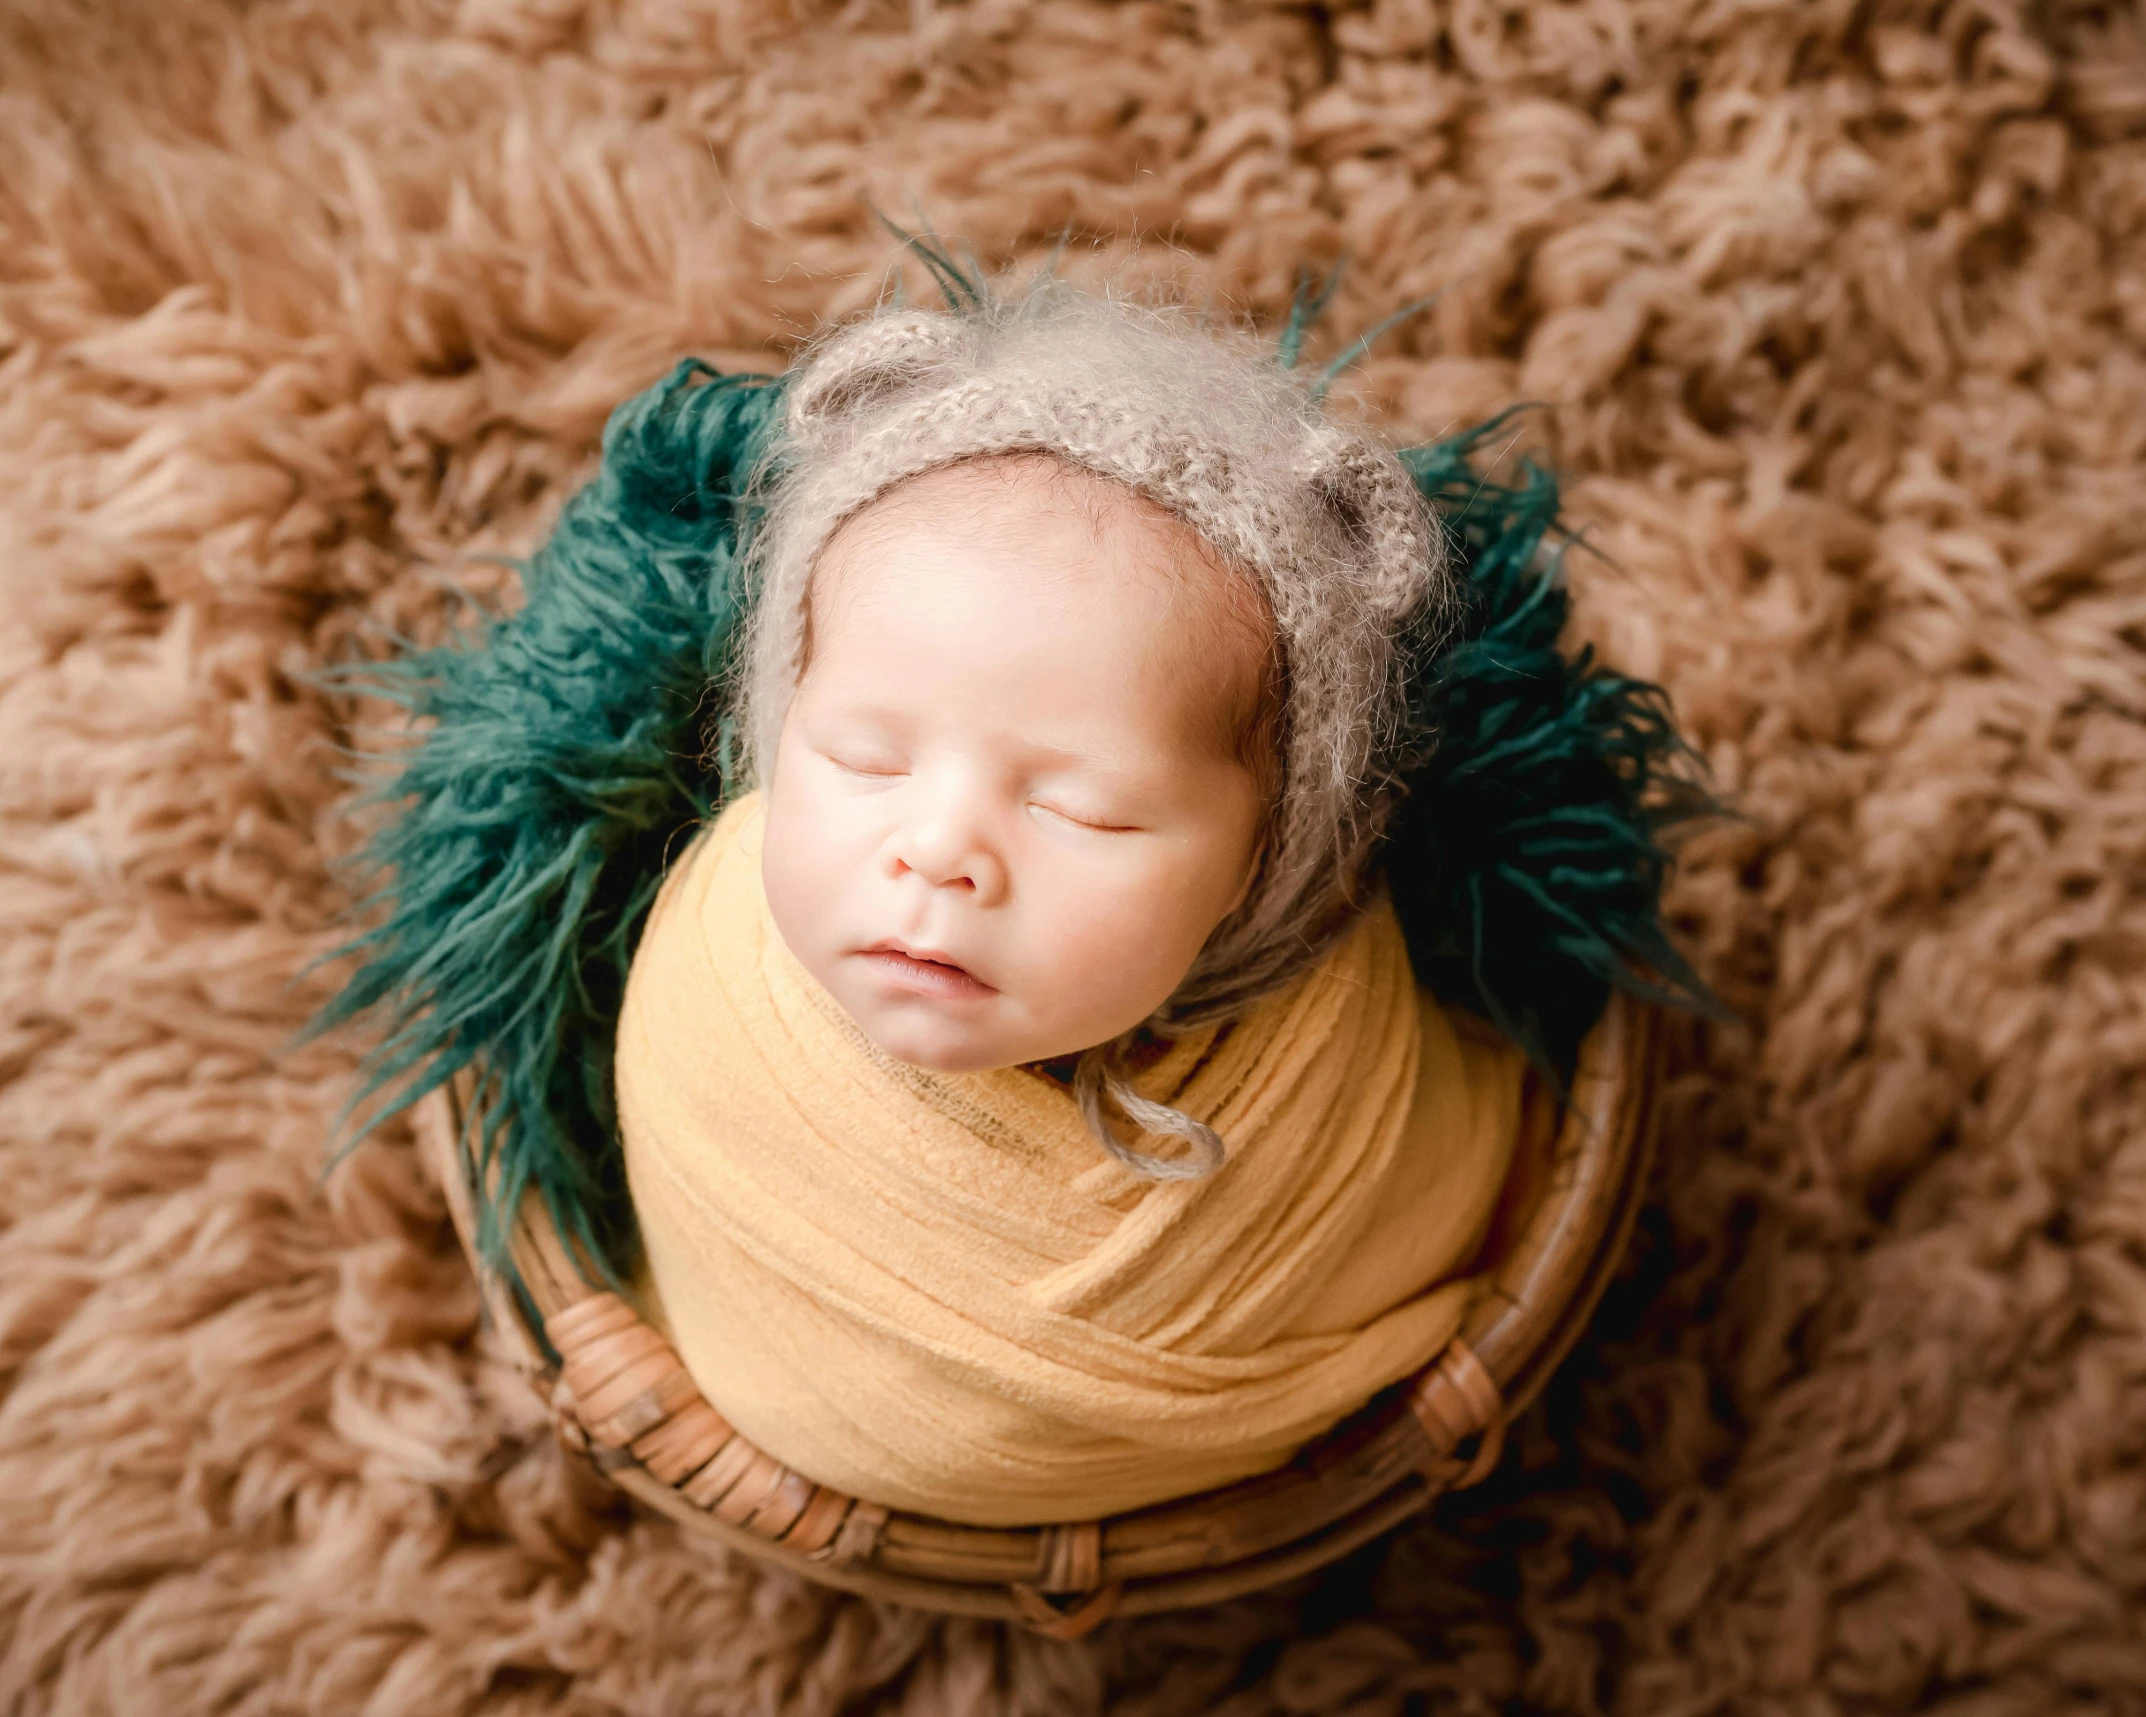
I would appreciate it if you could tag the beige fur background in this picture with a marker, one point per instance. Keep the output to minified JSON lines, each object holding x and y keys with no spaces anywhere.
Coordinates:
{"x":1839,"y":308}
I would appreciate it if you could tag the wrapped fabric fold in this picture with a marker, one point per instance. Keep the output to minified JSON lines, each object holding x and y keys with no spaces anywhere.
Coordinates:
{"x":934,"y":1291}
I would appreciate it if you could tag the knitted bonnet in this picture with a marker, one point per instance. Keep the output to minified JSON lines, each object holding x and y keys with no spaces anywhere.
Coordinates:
{"x":1204,"y":422}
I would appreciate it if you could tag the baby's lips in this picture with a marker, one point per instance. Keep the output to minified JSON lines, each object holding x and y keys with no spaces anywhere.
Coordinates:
{"x":913,"y":951}
{"x":895,"y":954}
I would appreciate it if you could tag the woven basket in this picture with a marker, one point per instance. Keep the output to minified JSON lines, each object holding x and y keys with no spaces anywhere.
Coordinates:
{"x":622,"y":1401}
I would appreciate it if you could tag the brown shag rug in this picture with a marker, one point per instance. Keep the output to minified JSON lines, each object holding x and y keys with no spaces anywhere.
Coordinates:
{"x":1838,"y":309}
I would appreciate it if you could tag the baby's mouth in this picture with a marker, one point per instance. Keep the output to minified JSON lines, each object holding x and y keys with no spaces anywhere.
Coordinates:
{"x":924,"y":973}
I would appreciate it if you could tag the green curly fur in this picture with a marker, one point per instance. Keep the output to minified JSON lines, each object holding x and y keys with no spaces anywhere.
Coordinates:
{"x":561,"y":760}
{"x":1527,"y":862}
{"x":561,"y":756}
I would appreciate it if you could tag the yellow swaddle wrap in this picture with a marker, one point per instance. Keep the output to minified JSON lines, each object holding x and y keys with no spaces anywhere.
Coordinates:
{"x":937,"y":1292}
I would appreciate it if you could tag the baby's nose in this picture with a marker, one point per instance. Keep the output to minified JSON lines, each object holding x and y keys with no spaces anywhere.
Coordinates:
{"x":949,"y":848}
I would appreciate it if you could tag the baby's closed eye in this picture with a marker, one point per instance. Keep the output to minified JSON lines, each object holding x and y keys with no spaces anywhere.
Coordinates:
{"x":1086,"y":818}
{"x":874,"y":766}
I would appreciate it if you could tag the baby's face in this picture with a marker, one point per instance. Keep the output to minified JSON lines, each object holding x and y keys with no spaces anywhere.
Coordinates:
{"x":1006,"y":808}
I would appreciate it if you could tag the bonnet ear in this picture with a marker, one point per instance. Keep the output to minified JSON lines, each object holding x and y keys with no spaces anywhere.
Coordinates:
{"x":1376,"y":505}
{"x":866,"y":364}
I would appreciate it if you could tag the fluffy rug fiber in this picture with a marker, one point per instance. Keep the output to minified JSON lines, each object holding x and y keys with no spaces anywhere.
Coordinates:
{"x":1837,"y":312}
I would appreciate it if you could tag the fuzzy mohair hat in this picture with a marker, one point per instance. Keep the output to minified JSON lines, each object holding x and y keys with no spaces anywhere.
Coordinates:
{"x":1207,"y":423}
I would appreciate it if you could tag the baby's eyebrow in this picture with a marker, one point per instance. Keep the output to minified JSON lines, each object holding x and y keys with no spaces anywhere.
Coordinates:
{"x":846,"y":705}
{"x":1133,"y":763}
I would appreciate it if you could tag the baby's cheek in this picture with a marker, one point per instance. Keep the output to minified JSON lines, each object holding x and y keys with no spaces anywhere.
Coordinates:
{"x":794,"y":873}
{"x":1131,"y":944}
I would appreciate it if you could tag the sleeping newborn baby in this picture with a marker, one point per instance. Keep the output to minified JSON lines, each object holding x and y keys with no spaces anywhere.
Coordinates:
{"x":1026,"y":769}
{"x":1028,"y":1108}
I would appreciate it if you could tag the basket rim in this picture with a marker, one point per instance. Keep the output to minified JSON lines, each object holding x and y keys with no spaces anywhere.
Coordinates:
{"x":654,"y":1435}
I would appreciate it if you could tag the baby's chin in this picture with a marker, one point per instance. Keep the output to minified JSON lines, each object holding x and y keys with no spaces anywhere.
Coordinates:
{"x":942,"y":1045}
{"x":937,"y":1039}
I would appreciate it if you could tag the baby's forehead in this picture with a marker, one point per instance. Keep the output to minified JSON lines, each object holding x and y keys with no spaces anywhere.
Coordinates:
{"x":1024,"y":480}
{"x":1135,"y":588}
{"x":1007,"y":498}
